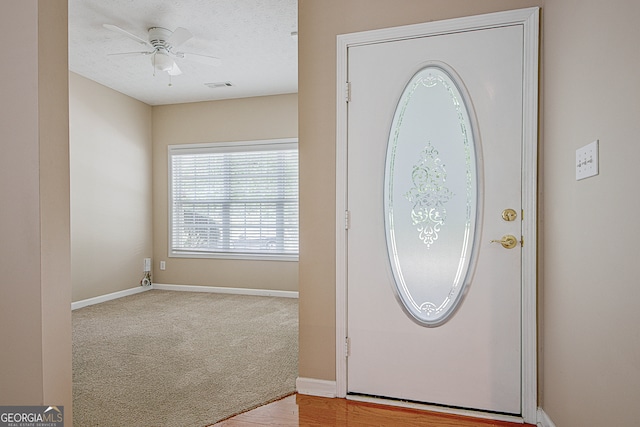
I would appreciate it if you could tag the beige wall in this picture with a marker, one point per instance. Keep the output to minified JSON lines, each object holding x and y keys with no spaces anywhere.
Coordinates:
{"x":257,"y":118}
{"x":591,"y":344}
{"x":111,"y":220}
{"x":319,"y":23}
{"x":35,"y":284}
{"x":590,"y":228}
{"x":112,"y":225}
{"x":589,"y":339}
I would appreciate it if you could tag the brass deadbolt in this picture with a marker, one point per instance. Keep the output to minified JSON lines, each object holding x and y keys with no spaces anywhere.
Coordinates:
{"x":509,"y":215}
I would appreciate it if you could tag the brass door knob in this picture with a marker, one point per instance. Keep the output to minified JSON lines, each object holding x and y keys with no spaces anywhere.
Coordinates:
{"x":508,"y":241}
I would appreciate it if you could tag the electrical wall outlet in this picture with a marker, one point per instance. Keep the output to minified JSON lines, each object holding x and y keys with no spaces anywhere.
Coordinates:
{"x":587,"y":161}
{"x":163,"y":266}
{"x":147,"y":264}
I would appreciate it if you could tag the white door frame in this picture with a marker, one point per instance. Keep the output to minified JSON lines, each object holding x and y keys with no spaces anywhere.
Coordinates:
{"x":529,"y":19}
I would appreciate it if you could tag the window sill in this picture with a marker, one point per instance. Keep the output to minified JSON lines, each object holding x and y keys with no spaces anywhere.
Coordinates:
{"x":234,"y":256}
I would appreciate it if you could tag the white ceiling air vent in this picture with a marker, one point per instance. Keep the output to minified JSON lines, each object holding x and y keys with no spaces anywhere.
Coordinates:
{"x":217,"y":85}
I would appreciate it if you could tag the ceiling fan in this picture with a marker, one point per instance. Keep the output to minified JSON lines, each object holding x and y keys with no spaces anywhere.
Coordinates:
{"x":163,"y":43}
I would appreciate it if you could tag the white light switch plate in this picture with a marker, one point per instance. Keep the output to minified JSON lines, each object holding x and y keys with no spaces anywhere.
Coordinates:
{"x":587,"y":161}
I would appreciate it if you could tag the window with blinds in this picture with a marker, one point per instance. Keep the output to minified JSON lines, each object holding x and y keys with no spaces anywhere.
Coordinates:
{"x":234,"y":200}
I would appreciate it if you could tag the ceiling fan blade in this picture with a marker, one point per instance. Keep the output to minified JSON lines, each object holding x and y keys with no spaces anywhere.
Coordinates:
{"x":174,"y":71}
{"x":203,"y":59}
{"x":126,"y":33}
{"x":129,"y":53}
{"x":179,"y":36}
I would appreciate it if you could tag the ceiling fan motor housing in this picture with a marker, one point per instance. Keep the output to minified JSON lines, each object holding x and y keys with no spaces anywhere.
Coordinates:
{"x":158,"y":37}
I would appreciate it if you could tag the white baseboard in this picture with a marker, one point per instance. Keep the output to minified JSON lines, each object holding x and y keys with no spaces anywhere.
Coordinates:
{"x":544,"y":420}
{"x":314,"y":387}
{"x":108,"y":297}
{"x":220,"y":290}
{"x":184,"y":288}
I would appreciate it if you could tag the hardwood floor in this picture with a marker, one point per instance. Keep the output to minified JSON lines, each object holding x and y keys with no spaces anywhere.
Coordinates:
{"x":308,"y":411}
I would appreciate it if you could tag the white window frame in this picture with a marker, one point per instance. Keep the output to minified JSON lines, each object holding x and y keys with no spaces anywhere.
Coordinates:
{"x":237,"y":146}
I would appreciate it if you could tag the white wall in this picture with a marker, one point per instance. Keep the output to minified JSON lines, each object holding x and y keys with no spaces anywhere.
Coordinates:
{"x":111,"y":190}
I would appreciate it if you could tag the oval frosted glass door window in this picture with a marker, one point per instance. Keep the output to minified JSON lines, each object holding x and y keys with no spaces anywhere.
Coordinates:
{"x":431,"y":192}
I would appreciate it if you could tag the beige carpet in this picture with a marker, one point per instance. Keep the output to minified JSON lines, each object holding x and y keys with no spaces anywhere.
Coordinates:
{"x":182,"y":359}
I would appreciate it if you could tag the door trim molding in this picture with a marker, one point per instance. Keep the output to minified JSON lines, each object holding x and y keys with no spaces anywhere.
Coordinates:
{"x":529,"y":19}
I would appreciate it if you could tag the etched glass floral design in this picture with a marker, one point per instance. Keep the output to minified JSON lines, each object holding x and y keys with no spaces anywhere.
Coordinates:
{"x":429,"y":195}
{"x":432,"y":211}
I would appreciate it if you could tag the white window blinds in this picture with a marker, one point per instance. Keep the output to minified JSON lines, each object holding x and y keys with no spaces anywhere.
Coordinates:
{"x":234,"y":199}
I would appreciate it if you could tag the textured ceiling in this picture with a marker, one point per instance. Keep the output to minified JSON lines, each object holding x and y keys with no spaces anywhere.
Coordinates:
{"x":252,"y":38}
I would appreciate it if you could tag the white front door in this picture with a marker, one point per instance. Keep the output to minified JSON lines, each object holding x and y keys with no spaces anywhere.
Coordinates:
{"x":471,"y":357}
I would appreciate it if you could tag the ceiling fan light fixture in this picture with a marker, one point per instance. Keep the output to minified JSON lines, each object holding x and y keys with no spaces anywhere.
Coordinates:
{"x":162,"y":62}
